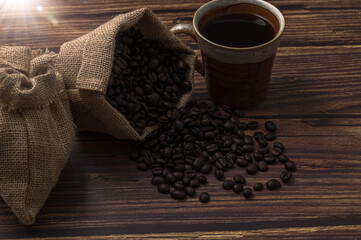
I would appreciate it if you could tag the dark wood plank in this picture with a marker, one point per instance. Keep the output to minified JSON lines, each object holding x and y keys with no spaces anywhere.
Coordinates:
{"x":345,"y":232}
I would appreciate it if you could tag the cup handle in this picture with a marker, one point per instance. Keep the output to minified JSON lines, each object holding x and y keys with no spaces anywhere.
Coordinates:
{"x":188,"y":29}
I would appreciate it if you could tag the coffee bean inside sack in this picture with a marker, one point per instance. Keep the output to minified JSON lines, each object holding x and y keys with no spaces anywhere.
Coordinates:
{"x":147,"y":80}
{"x":205,"y":139}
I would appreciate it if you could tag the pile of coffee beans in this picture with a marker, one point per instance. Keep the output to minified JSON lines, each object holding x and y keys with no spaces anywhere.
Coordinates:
{"x":203,"y":138}
{"x":147,"y":80}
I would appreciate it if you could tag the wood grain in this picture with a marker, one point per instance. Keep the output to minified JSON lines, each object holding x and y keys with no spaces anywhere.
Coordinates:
{"x":314,"y":98}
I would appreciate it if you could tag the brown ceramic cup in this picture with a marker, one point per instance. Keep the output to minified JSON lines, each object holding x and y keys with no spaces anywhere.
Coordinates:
{"x":237,"y":77}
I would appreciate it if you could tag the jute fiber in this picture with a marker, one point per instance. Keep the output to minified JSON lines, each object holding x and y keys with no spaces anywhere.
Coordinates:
{"x":86,"y":65}
{"x":36,"y":129}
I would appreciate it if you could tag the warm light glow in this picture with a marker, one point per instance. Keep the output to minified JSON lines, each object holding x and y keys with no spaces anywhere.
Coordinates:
{"x":39,"y":8}
{"x":15,"y":4}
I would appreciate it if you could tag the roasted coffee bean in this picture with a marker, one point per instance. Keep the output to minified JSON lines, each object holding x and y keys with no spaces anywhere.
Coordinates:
{"x":257,"y":156}
{"x":252,"y":124}
{"x":209,"y":135}
{"x":248,"y":148}
{"x":248,"y":140}
{"x":286,"y":176}
{"x":225,"y":150}
{"x":153,"y":64}
{"x":168,"y":152}
{"x":204,"y":197}
{"x":179,"y":126}
{"x":163,"y":188}
{"x":190,"y":191}
{"x":248,"y":158}
{"x":270,"y":126}
{"x":258,"y":135}
{"x":252,"y":168}
{"x":242,"y":126}
{"x":212,"y":159}
{"x":279,"y":145}
{"x":271,"y":136}
{"x":165,"y":172}
{"x":198,"y":163}
{"x":262,"y":166}
{"x":202,"y":179}
{"x":269,"y":158}
{"x":148,"y":158}
{"x":188,"y":146}
{"x":262,"y":142}
{"x":240,"y":133}
{"x":178,"y":195}
{"x":221,"y":164}
{"x":239,"y":113}
{"x":178,"y":185}
{"x":154,"y":100}
{"x":263,"y":150}
{"x":142,"y":166}
{"x":156,"y":180}
{"x":228,"y":184}
{"x":229,"y":126}
{"x":186,"y":180}
{"x":178,"y":175}
{"x":239,"y":179}
{"x":188,"y":166}
{"x":290,"y":166}
{"x":273,"y":184}
{"x":276,"y":152}
{"x":258,"y":186}
{"x":247,"y":192}
{"x":218,"y":155}
{"x":157,"y":171}
{"x":237,"y":188}
{"x":241,"y":162}
{"x":207,"y":167}
{"x":229,"y":161}
{"x":171,"y":179}
{"x":283,"y":158}
{"x":189,"y":159}
{"x":232,"y":155}
{"x":190,"y":173}
{"x":179,"y":167}
{"x":212,"y":148}
{"x":194,"y":183}
{"x":219,"y":174}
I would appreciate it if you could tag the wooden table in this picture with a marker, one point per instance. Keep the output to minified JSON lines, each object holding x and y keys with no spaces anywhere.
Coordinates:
{"x":314,"y":98}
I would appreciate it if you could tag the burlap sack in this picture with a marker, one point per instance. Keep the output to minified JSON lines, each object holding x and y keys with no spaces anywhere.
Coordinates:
{"x":86,"y":64}
{"x":36,"y":129}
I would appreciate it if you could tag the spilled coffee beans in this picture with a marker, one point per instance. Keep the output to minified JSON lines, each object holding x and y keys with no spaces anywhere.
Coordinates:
{"x":200,"y":139}
{"x":204,"y":197}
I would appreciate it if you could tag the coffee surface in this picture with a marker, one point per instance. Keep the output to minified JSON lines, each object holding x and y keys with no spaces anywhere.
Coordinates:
{"x":238,"y":29}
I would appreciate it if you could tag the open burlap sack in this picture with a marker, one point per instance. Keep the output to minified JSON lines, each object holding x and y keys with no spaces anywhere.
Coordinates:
{"x":86,"y":64}
{"x":36,"y":129}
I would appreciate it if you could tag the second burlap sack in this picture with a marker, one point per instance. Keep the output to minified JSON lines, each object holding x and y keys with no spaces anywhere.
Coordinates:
{"x":86,"y":65}
{"x":36,"y":129}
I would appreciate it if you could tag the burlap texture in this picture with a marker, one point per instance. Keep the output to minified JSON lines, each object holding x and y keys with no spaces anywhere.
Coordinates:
{"x":86,"y":64}
{"x":36,"y":129}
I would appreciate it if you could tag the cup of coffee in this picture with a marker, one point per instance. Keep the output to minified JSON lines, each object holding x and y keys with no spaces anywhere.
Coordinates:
{"x":238,"y":40}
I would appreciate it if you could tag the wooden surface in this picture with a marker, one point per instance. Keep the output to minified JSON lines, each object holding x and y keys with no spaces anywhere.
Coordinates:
{"x":314,"y":98}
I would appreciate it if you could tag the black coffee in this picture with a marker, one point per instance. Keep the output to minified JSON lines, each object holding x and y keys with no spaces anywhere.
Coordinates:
{"x":238,"y":29}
